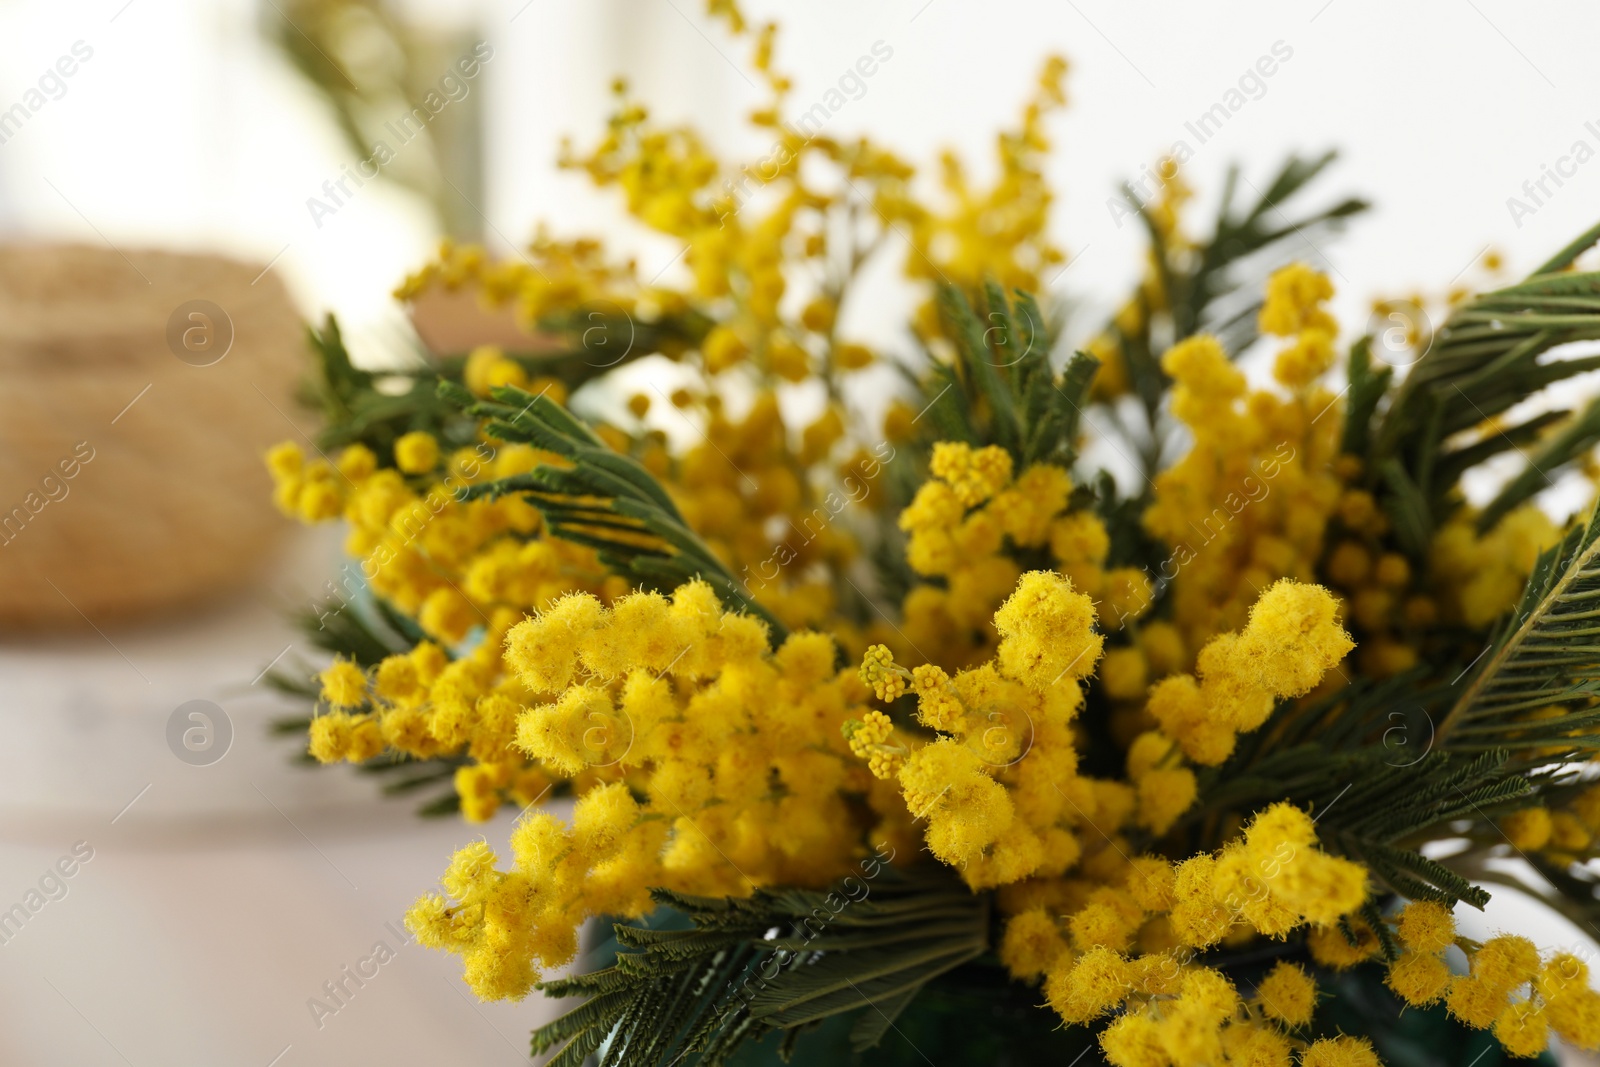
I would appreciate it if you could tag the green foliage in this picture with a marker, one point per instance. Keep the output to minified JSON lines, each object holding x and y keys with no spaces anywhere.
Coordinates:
{"x":376,"y":408}
{"x":780,"y":960}
{"x":1374,"y":807}
{"x":365,"y":629}
{"x":1367,"y":387}
{"x":1258,"y":229}
{"x":1566,"y":444}
{"x":1545,"y":653}
{"x":1493,"y":352}
{"x":605,"y":500}
{"x":1217,"y":289}
{"x":1001,"y":389}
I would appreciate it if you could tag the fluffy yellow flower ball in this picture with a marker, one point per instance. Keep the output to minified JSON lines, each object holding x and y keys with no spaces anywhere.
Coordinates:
{"x":1522,"y":1029}
{"x":1293,"y":639}
{"x":1419,"y":978}
{"x":974,"y":474}
{"x":344,"y":684}
{"x":1294,"y":296}
{"x":1202,"y":368}
{"x":724,"y":348}
{"x":1505,"y":962}
{"x":1426,"y":927}
{"x":1306,"y":360}
{"x":1528,"y":829}
{"x":1032,"y":943}
{"x":416,"y":452}
{"x":1088,"y":986}
{"x":284,"y":460}
{"x":1133,"y":1041}
{"x":1164,"y":795}
{"x":1288,"y":994}
{"x":543,"y":650}
{"x":1340,"y":1052}
{"x":1047,"y":632}
{"x":1330,"y":948}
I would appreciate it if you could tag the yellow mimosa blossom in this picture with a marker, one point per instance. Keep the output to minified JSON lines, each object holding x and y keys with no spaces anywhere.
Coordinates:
{"x":809,"y":599}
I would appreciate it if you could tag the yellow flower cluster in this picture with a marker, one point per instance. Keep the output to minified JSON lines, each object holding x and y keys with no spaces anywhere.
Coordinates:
{"x":1291,"y":640}
{"x":964,"y":528}
{"x":1004,"y":820}
{"x":1386,"y":607}
{"x":466,"y":571}
{"x":1469,"y":579}
{"x":1249,"y":503}
{"x":1565,"y":833}
{"x":552,"y":277}
{"x":1293,"y":308}
{"x":734,"y":753}
{"x":1202,"y":1019}
{"x":1021,"y":824}
{"x":1269,"y":882}
{"x":776,"y":511}
{"x":995,"y":784}
{"x":1478,"y":578}
{"x":708,"y":757}
{"x":506,"y":925}
{"x":487,"y":366}
{"x":1509,"y":988}
{"x":870,"y":739}
{"x":452,"y":564}
{"x":1293,"y":305}
{"x":426,"y":706}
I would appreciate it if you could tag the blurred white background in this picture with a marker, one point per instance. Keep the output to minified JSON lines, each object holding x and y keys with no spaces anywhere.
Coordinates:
{"x":187,"y":129}
{"x":223,"y":897}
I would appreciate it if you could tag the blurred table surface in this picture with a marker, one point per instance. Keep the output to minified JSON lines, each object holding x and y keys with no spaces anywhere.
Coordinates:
{"x":219,"y":898}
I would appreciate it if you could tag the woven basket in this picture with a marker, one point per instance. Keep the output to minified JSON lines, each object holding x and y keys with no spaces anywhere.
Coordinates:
{"x":131,"y":429}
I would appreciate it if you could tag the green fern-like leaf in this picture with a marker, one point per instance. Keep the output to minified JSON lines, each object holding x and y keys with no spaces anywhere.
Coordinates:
{"x":1546,"y":653}
{"x":1216,"y":286}
{"x":1220,"y":294}
{"x":1002,"y":389}
{"x":780,"y":960}
{"x":355,"y":409}
{"x":1493,"y":352}
{"x":365,"y":629}
{"x":605,"y":500}
{"x":1377,"y":808}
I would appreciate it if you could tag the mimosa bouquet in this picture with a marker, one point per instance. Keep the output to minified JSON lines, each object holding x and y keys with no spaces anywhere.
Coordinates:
{"x":979,"y":698}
